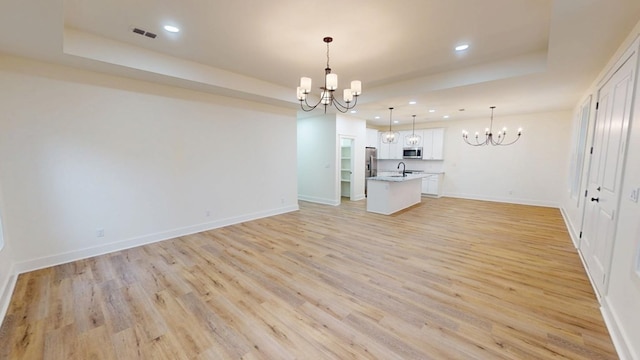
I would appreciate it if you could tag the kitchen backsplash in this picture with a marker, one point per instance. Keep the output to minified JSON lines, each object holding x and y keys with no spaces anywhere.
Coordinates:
{"x":433,"y":166}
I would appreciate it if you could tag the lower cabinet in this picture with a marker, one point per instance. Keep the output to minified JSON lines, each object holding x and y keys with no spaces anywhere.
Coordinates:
{"x":431,"y":185}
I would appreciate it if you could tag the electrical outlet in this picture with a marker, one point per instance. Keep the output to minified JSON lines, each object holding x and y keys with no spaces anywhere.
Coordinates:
{"x":100,"y":232}
{"x":635,"y":194}
{"x":207,"y":213}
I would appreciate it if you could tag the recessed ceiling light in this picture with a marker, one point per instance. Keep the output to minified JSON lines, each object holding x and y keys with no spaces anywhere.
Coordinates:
{"x":171,"y":28}
{"x":395,"y":121}
{"x":432,"y":110}
{"x":462,"y":47}
{"x":446,"y":116}
{"x":354,"y":111}
{"x":412,"y":102}
{"x":377,"y":117}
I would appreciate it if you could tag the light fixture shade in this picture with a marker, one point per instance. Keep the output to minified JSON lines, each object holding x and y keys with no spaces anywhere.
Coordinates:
{"x":348,"y":95}
{"x":305,"y":84}
{"x":300,"y":93}
{"x":356,"y":87}
{"x":390,"y":137}
{"x":413,"y":139}
{"x":332,"y":81}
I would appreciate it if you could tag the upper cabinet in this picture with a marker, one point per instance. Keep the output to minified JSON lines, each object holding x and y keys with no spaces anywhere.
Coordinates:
{"x":391,"y":150}
{"x":372,"y":138}
{"x":433,"y":144}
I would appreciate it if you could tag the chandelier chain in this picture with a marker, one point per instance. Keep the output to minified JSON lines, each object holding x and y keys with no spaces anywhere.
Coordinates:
{"x":328,"y":56}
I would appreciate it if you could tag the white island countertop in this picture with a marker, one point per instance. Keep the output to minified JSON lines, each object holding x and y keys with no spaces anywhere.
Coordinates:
{"x":399,"y":177}
{"x":389,"y":194}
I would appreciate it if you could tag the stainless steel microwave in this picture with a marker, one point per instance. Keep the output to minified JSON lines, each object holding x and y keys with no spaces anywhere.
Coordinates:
{"x":412,"y":153}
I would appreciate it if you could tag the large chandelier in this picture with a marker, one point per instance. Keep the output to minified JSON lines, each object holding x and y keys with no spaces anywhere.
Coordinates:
{"x":413,"y":139}
{"x":350,"y":96}
{"x":390,"y":137}
{"x":489,"y":138}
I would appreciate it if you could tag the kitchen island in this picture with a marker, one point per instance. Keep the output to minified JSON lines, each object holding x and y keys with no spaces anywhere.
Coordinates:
{"x":389,"y":194}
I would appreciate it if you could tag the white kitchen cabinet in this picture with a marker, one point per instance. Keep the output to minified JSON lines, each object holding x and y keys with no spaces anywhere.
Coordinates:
{"x":431,"y":185}
{"x":433,"y":144}
{"x":372,"y":138}
{"x":402,"y":140}
{"x":391,"y":150}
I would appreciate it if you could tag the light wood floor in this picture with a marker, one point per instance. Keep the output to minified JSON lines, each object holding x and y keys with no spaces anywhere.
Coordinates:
{"x":446,"y":279}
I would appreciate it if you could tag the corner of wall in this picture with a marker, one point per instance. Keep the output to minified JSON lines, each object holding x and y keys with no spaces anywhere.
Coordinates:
{"x":6,"y":291}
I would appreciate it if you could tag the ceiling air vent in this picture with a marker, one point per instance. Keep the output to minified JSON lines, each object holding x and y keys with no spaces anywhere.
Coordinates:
{"x":144,"y":33}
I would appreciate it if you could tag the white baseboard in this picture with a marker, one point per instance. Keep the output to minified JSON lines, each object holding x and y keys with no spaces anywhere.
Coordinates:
{"x":57,"y":259}
{"x":618,"y":336}
{"x":575,"y":237}
{"x":6,"y":291}
{"x":504,"y":200}
{"x":313,"y":199}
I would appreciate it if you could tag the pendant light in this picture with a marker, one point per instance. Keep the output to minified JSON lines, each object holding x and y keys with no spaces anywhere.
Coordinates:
{"x":413,"y":139}
{"x":390,"y":137}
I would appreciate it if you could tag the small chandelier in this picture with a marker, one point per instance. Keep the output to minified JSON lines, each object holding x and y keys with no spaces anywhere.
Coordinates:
{"x":350,"y":96}
{"x":390,"y":137}
{"x":488,"y":136}
{"x":413,"y":139}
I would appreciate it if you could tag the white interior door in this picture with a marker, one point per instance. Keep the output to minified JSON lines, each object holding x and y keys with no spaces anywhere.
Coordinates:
{"x":604,"y":181}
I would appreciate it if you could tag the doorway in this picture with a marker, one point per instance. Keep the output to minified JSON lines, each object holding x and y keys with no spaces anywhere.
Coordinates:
{"x":347,"y":155}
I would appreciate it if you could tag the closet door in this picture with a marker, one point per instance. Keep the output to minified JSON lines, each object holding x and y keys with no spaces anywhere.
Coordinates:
{"x":604,"y":183}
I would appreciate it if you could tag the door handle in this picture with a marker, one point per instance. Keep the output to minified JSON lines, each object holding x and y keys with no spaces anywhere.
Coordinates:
{"x":595,"y":199}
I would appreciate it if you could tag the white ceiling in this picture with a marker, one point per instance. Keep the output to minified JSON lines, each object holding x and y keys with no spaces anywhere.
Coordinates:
{"x":524,"y":55}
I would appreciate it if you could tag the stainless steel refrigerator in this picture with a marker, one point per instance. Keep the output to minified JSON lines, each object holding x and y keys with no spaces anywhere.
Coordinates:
{"x":371,"y":165}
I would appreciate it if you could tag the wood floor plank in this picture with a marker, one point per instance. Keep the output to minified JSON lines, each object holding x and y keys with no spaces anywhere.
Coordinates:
{"x":445,"y":279}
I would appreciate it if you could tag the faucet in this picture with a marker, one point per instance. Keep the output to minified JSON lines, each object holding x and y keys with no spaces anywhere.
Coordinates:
{"x":404,"y":167}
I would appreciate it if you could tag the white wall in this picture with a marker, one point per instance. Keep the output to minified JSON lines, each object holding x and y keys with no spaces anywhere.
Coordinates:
{"x":531,"y":171}
{"x":81,"y":151}
{"x":621,"y":300}
{"x":317,"y":167}
{"x":318,"y":152}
